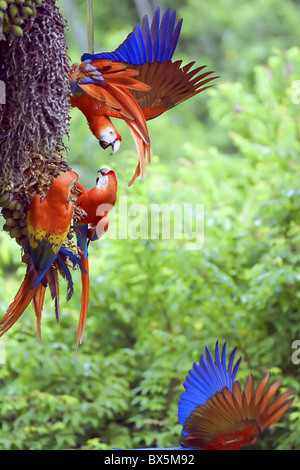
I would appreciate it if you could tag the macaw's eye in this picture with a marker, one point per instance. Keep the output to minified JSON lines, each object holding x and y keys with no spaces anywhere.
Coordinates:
{"x":97,"y":179}
{"x":103,"y":171}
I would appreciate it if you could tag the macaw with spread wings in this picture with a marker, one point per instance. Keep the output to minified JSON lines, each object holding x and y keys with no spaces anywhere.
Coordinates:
{"x":136,"y":82}
{"x":217,"y":414}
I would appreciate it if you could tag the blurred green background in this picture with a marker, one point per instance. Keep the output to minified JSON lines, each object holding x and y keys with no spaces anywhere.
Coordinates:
{"x":153,"y":304}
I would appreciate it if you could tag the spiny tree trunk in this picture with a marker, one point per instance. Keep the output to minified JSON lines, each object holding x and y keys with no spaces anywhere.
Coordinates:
{"x":35,"y":118}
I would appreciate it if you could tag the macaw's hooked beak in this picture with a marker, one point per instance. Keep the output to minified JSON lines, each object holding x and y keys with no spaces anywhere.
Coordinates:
{"x":102,"y":181}
{"x":109,"y":137}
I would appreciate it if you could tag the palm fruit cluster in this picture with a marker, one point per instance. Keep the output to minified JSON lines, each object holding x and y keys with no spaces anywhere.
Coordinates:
{"x":37,"y":176}
{"x":13,"y":13}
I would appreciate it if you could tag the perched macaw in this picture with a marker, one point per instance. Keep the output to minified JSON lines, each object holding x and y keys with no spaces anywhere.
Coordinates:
{"x":96,"y":203}
{"x":216,"y":414}
{"x":136,"y":82}
{"x":48,"y":223}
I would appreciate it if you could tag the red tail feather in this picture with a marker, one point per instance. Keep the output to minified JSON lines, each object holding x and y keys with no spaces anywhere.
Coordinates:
{"x":84,"y":300}
{"x":21,"y":301}
{"x":37,"y":303}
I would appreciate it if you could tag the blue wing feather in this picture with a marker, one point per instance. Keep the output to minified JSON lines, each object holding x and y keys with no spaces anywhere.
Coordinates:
{"x":133,"y":48}
{"x":155,"y":34}
{"x":42,"y":256}
{"x":54,"y":291}
{"x":119,"y":56}
{"x":169,"y":33}
{"x":163,"y":34}
{"x":147,"y":39}
{"x":175,"y":38}
{"x":67,"y":276}
{"x":82,"y":236}
{"x":40,"y":274}
{"x":65,"y":251}
{"x":141,"y":44}
{"x":213,"y":372}
{"x":147,"y":43}
{"x":206,"y":379}
{"x":40,"y":278}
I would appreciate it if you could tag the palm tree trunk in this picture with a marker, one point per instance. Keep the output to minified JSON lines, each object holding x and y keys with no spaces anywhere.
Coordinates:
{"x":35,"y":116}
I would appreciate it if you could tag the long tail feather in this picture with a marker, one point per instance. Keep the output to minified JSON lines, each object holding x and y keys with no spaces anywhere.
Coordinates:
{"x":64,"y":270}
{"x":38,"y":303}
{"x":21,"y":301}
{"x":142,"y":150}
{"x":52,"y":278}
{"x":84,"y":300}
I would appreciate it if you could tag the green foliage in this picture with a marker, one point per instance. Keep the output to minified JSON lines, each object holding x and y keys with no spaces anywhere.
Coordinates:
{"x":155,"y":305}
{"x":236,"y":36}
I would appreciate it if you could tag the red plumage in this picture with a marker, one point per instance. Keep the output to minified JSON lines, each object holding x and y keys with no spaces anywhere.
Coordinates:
{"x":96,"y":203}
{"x":231,"y":419}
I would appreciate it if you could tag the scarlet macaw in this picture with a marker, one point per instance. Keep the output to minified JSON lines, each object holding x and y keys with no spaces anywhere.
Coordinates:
{"x":48,"y":223}
{"x":96,"y":203}
{"x":216,"y":414}
{"x":136,"y":82}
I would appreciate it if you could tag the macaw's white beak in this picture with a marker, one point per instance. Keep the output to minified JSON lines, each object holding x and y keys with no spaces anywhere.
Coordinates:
{"x":115,"y":146}
{"x":107,"y":138}
{"x":102,"y":182}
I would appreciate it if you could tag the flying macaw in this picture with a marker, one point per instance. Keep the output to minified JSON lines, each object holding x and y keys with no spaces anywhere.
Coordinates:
{"x":96,"y":203}
{"x":48,"y":223}
{"x":216,"y":414}
{"x":136,"y":82}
